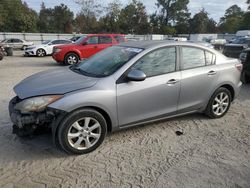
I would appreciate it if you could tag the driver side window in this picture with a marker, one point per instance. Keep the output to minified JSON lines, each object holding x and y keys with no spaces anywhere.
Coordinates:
{"x":158,"y":62}
{"x":93,"y":40}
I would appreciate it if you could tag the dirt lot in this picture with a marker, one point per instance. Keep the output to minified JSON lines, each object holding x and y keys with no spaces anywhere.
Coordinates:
{"x":210,"y":153}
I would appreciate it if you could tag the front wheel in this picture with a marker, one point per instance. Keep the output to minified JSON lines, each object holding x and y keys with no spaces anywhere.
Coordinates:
{"x":40,"y":52}
{"x":219,"y":103}
{"x":24,"y":47}
{"x":71,"y":59}
{"x":82,"y":131}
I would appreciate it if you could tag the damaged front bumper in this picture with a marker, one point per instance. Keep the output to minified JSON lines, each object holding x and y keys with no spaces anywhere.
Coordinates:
{"x":26,"y":124}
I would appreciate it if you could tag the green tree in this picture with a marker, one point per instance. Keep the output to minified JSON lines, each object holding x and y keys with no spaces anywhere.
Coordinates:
{"x":246,"y":18}
{"x":182,"y":22}
{"x":55,"y":20}
{"x":87,"y":20}
{"x":16,"y":16}
{"x":201,"y":23}
{"x":45,"y":19}
{"x":173,"y":16}
{"x":172,"y":10}
{"x":232,"y":19}
{"x":110,"y":21}
{"x":63,"y":19}
{"x":134,"y":19}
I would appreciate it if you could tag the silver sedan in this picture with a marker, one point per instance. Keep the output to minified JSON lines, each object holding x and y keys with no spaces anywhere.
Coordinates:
{"x":123,"y":86}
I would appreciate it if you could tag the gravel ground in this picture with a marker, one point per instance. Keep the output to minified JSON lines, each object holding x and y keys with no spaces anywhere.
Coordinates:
{"x":209,"y":153}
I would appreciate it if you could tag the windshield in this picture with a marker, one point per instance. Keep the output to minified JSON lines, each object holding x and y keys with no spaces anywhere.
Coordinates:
{"x":80,"y":40}
{"x":46,"y":42}
{"x":107,"y":61}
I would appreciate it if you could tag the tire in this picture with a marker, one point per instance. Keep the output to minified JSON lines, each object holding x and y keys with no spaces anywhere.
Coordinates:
{"x":40,"y":52}
{"x":82,"y":131}
{"x":71,"y":59}
{"x":219,"y":103}
{"x":24,"y":47}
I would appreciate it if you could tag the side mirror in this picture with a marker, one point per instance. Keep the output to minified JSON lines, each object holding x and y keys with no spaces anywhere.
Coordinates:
{"x":85,"y":43}
{"x":136,"y":75}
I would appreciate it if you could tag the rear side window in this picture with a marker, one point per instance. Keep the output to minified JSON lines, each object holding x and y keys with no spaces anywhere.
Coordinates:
{"x":119,"y":39}
{"x":17,"y":40}
{"x":210,"y":58}
{"x":56,"y":42}
{"x":65,"y":42}
{"x":192,"y":58}
{"x":105,"y":40}
{"x":158,"y":62}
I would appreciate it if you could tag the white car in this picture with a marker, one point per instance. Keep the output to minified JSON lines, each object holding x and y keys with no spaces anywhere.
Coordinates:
{"x":46,"y":48}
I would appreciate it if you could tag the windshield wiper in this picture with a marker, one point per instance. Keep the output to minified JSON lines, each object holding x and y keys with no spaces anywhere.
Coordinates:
{"x":79,"y":70}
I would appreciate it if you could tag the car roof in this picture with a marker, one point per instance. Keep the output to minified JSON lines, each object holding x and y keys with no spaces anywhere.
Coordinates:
{"x":150,"y":44}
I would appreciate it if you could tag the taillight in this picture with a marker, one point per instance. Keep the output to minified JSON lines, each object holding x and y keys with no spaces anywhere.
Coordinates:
{"x":239,"y":66}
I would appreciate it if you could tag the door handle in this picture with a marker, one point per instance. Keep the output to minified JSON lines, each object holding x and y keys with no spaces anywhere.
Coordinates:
{"x":172,"y":82}
{"x":95,"y":46}
{"x":211,"y":73}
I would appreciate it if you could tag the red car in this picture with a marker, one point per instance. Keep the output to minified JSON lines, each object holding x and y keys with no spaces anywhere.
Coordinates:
{"x":85,"y":47}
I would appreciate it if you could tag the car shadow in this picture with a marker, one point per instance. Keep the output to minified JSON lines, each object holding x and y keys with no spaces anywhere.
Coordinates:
{"x":41,"y":146}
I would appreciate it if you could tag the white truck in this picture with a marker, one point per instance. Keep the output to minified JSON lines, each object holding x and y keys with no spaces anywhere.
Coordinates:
{"x":243,"y":33}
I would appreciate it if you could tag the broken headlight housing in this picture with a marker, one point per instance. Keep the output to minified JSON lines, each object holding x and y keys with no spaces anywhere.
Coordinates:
{"x":36,"y":104}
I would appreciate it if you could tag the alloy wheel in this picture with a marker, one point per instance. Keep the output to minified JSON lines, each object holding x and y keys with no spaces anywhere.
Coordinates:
{"x":220,"y":103}
{"x":40,"y":53}
{"x":72,"y":59}
{"x":84,"y":133}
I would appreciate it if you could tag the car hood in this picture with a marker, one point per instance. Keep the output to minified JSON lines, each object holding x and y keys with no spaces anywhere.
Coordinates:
{"x":58,"y":81}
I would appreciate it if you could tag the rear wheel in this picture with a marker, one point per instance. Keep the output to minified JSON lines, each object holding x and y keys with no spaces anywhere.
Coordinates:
{"x":40,"y":52}
{"x":82,"y":131}
{"x":219,"y":103}
{"x":71,"y":59}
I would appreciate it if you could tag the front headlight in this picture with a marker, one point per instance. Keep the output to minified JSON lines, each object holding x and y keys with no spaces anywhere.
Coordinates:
{"x":36,"y":104}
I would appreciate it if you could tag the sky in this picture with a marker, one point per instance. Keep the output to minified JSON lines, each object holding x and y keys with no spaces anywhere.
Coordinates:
{"x":215,"y":8}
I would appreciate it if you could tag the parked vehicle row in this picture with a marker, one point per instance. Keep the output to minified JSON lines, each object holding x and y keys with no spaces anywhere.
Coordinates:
{"x":123,"y":86}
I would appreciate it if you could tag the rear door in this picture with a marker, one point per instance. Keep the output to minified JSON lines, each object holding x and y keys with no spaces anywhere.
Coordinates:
{"x":199,"y":76}
{"x":104,"y":42}
{"x":155,"y":97}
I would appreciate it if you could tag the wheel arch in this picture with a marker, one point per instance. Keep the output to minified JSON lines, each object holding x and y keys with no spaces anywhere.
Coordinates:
{"x":230,"y":88}
{"x":43,"y":50}
{"x":72,"y":52}
{"x":56,"y":124}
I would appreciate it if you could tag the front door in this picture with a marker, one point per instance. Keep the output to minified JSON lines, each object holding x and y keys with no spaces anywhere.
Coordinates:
{"x":90,"y":48}
{"x":154,"y":97}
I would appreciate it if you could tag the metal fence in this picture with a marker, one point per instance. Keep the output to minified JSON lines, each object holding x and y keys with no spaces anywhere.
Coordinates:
{"x":39,"y":37}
